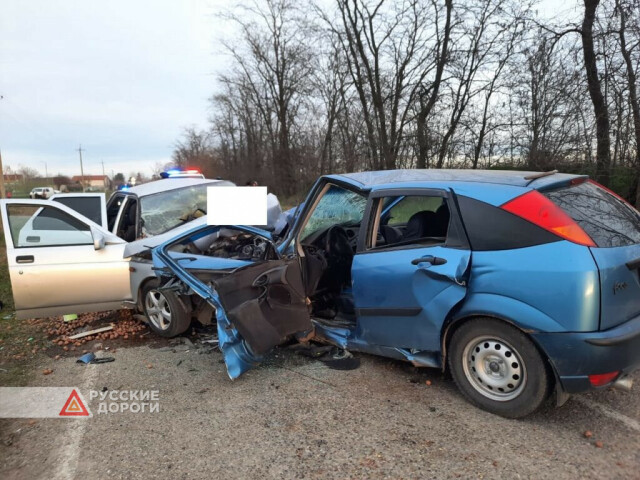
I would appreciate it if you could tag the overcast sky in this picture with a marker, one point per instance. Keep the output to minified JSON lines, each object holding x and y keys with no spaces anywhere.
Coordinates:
{"x":122,"y":78}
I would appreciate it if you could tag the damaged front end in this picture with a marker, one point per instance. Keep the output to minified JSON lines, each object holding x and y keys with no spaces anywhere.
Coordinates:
{"x":257,"y":297}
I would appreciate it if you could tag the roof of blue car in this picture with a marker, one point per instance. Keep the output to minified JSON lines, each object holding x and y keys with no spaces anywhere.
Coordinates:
{"x":502,"y":177}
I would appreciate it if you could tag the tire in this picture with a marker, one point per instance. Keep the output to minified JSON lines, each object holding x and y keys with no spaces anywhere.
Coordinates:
{"x":497,"y":368}
{"x":165,"y":312}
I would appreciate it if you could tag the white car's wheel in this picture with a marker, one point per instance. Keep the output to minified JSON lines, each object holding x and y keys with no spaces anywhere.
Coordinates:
{"x":166,"y":313}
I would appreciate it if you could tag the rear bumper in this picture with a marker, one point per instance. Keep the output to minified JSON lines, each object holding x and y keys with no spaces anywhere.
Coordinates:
{"x":575,"y":356}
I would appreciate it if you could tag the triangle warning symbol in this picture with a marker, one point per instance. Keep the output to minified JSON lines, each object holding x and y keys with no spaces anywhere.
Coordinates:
{"x":74,"y":407}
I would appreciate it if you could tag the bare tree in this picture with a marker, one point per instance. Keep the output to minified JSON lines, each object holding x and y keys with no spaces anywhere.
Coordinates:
{"x":194,"y":150}
{"x":377,"y":84}
{"x":600,"y":108}
{"x":428,"y":94}
{"x":28,"y":173}
{"x":627,"y":53}
{"x":389,"y":51}
{"x":273,"y":66}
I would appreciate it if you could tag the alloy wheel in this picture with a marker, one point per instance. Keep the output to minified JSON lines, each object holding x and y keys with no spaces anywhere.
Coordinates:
{"x":157,"y":309}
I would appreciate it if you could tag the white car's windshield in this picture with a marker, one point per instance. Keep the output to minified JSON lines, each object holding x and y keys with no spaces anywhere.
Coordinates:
{"x":163,"y":211}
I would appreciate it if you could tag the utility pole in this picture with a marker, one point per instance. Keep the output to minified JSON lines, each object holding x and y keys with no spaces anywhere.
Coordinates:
{"x":3,"y":193}
{"x":81,"y":168}
{"x":46,"y":172}
{"x":104,"y":175}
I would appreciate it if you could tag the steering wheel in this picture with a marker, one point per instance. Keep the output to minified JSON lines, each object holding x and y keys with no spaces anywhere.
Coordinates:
{"x":337,"y":243}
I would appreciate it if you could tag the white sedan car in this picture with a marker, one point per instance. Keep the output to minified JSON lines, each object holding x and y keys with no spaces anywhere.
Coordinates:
{"x":74,"y":253}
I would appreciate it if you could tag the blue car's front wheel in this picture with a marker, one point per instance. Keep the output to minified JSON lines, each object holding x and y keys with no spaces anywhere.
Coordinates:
{"x":498,"y":368}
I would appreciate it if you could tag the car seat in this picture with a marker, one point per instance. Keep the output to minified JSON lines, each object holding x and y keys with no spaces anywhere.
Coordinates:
{"x":129,"y":223}
{"x":419,"y":225}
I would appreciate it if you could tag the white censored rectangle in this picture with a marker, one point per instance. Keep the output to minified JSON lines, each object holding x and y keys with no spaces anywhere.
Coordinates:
{"x":237,"y":205}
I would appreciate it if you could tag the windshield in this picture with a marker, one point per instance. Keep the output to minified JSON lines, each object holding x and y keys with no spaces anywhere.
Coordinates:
{"x":337,"y":206}
{"x":166,"y":210}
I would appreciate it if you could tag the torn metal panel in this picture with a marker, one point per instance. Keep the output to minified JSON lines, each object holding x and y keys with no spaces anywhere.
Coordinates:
{"x":264,"y":302}
{"x":348,"y":339}
{"x":237,"y":355}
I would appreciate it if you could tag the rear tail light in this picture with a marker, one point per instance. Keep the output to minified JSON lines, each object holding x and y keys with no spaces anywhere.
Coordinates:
{"x":539,"y":210}
{"x":602,"y":379}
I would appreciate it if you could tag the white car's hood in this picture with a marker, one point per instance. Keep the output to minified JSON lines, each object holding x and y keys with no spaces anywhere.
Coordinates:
{"x":143,"y":244}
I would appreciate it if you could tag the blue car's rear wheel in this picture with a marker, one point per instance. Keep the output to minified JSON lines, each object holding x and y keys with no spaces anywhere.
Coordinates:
{"x":498,"y":368}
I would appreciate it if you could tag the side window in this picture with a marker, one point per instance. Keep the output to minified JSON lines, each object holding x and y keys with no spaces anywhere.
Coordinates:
{"x":90,"y":207}
{"x":410,"y":220}
{"x":491,"y":228}
{"x":401,"y":212}
{"x":35,"y":226}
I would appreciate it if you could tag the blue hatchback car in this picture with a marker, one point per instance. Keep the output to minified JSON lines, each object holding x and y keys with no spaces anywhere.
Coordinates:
{"x":521,"y":284}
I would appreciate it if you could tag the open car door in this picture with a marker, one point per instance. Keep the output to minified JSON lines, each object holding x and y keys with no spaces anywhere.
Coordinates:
{"x":90,"y":205}
{"x":60,"y":261}
{"x":258,"y":303}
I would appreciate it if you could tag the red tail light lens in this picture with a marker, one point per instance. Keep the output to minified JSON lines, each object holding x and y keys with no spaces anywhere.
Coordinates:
{"x":602,"y":378}
{"x":539,"y":210}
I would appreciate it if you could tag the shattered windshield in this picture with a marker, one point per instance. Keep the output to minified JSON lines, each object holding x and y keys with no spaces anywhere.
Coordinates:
{"x":166,"y":210}
{"x":337,"y":206}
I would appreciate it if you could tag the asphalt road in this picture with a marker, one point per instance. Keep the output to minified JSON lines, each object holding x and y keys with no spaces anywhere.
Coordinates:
{"x":296,"y":418}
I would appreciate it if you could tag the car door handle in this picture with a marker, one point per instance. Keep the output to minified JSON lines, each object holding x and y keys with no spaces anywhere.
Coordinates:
{"x":429,"y":259}
{"x":25,"y":259}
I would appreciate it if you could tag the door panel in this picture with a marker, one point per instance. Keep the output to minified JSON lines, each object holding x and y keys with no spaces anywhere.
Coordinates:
{"x":401,"y":301}
{"x":265,"y":302}
{"x":89,"y":205}
{"x":256,"y":305}
{"x":53,"y":264}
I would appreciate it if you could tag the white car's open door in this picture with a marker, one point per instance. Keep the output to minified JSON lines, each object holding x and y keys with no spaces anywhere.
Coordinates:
{"x":60,"y":261}
{"x":90,"y":205}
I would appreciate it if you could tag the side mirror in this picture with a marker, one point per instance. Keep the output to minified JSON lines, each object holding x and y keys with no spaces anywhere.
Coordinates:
{"x":98,"y":239}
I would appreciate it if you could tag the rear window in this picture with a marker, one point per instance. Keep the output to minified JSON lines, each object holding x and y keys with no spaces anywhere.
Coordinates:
{"x":609,"y":221}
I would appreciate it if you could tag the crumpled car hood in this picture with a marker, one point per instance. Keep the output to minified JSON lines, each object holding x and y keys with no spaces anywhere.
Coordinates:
{"x":275,"y":217}
{"x":143,"y":244}
{"x":237,"y":355}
